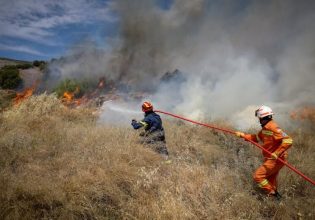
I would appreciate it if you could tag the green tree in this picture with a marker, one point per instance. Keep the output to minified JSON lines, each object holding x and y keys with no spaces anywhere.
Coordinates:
{"x":39,"y":63}
{"x":24,"y":66}
{"x":36,"y":63}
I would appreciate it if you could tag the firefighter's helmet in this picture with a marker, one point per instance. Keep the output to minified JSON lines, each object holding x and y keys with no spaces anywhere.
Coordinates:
{"x":147,"y":106}
{"x":263,"y":111}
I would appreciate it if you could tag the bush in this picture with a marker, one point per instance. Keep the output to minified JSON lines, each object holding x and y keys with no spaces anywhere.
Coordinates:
{"x":24,"y":66}
{"x":71,"y":85}
{"x":9,"y":77}
{"x":40,"y":64}
{"x":36,"y":63}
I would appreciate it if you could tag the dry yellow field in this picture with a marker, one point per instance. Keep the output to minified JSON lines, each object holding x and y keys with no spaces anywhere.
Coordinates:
{"x":58,"y":163}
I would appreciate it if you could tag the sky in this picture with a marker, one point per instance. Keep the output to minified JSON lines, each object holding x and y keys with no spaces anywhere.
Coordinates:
{"x":45,"y":29}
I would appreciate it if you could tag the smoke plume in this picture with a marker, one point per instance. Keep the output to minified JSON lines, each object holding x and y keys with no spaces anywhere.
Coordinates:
{"x":234,"y":55}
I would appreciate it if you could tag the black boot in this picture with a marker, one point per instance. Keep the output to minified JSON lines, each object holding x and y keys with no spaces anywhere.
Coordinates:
{"x":276,"y":195}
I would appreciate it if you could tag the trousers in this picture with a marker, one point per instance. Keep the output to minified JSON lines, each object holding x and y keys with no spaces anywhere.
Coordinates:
{"x":266,"y":175}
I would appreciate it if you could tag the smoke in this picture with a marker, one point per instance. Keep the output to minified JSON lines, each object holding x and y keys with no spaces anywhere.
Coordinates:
{"x":234,"y":55}
{"x":239,"y":57}
{"x":84,"y":61}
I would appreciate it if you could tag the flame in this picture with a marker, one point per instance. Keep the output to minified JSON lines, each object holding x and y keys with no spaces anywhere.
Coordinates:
{"x":20,"y":96}
{"x":68,"y":96}
{"x":305,"y":113}
{"x":69,"y":99}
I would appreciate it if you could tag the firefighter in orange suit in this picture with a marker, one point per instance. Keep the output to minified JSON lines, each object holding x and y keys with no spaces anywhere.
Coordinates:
{"x":276,"y":142}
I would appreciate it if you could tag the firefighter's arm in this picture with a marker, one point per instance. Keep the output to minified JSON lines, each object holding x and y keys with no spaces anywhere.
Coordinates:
{"x":140,"y":124}
{"x":252,"y":137}
{"x":153,"y":127}
{"x":286,"y":142}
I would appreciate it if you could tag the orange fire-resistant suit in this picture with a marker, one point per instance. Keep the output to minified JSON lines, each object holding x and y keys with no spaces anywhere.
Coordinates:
{"x":275,"y":141}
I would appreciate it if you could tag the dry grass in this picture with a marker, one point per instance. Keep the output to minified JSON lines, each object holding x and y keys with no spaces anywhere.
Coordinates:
{"x":6,"y":97}
{"x":57,"y":163}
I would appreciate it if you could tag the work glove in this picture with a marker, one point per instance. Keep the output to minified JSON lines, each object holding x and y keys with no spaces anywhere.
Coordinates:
{"x":239,"y":134}
{"x":274,"y":156}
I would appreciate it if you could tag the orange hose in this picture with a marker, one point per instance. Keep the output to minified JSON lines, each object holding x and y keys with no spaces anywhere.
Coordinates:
{"x":233,"y":132}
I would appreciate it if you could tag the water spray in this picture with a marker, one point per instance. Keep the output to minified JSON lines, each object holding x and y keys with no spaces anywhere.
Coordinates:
{"x":113,"y":107}
{"x":117,"y":114}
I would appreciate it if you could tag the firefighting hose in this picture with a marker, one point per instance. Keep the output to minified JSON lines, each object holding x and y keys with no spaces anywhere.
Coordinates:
{"x":233,"y":132}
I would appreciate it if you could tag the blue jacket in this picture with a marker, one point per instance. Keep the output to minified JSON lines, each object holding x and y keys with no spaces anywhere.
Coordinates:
{"x":151,"y":122}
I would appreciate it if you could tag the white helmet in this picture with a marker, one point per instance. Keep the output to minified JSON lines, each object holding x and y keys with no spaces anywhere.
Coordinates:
{"x":263,"y":111}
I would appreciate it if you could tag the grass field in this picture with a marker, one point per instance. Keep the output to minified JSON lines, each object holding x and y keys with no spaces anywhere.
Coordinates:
{"x":59,"y":163}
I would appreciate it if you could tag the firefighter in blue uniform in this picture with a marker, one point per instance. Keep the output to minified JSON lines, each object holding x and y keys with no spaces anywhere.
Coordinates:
{"x":153,"y":133}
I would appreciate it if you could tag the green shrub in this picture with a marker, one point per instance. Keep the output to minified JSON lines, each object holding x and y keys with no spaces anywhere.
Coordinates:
{"x":36,"y":63}
{"x":9,"y":67}
{"x":9,"y":77}
{"x":24,"y":66}
{"x":39,"y":63}
{"x":71,"y":85}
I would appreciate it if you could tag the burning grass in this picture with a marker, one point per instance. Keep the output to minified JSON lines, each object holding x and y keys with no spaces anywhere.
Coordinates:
{"x":58,"y":163}
{"x":21,"y":96}
{"x":306,"y":113}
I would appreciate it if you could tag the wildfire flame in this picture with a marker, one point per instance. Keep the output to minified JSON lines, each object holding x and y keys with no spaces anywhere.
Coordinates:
{"x":21,"y":96}
{"x":305,"y":113}
{"x":68,"y":98}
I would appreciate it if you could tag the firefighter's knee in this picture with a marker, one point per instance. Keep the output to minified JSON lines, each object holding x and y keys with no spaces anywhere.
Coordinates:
{"x":259,"y":174}
{"x":260,"y":178}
